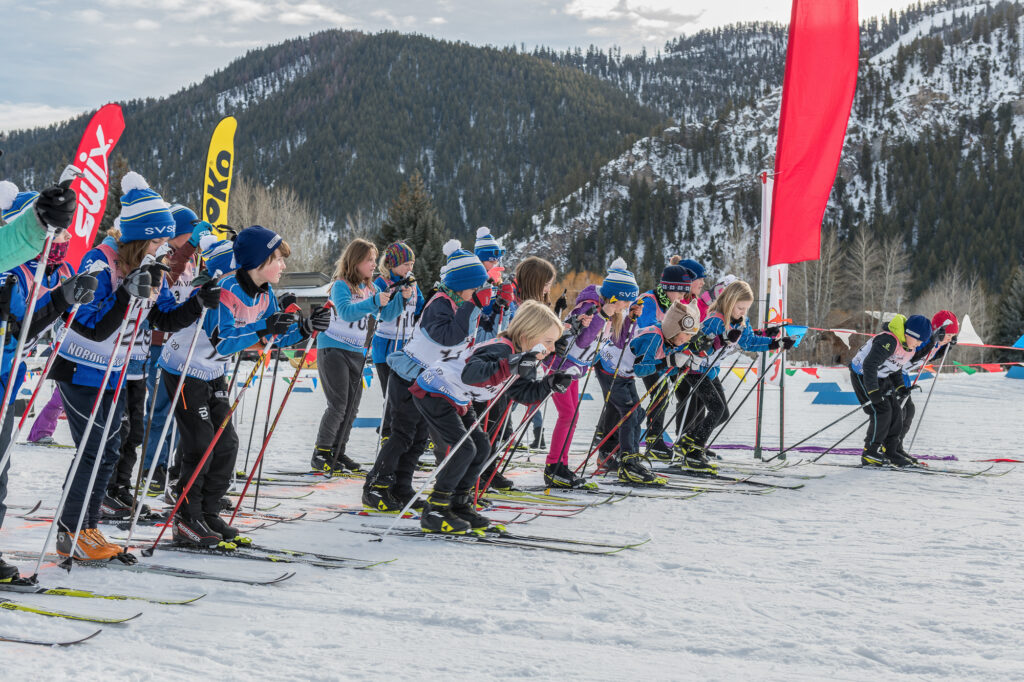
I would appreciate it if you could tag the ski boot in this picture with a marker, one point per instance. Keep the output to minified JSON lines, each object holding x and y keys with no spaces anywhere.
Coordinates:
{"x":899,"y":457}
{"x":463,"y":507}
{"x":873,"y":455}
{"x":694,"y":456}
{"x":322,"y":458}
{"x":156,"y":486}
{"x":632,"y":470}
{"x":438,"y":517}
{"x":657,"y":450}
{"x":606,"y":461}
{"x":193,"y":532}
{"x":171,"y":492}
{"x":117,"y":504}
{"x":88,"y":548}
{"x":559,"y":475}
{"x":8,"y":573}
{"x":403,"y":493}
{"x":377,"y":496}
{"x":498,"y":482}
{"x":538,"y":438}
{"x":228,"y":533}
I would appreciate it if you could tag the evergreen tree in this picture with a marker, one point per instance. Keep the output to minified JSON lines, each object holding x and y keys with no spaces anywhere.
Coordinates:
{"x":1010,"y":315}
{"x":412,"y":218}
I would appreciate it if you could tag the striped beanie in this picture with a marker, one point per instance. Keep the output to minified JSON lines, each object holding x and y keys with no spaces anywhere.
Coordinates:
{"x":619,"y":283}
{"x":218,"y":254}
{"x":487,"y":247}
{"x":463,"y":270}
{"x":144,"y":214}
{"x":398,"y":253}
{"x":185,"y":219}
{"x":12,"y":202}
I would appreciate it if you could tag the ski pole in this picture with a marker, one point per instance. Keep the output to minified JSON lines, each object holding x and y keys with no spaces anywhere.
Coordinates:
{"x":255,"y":413}
{"x":836,"y":444}
{"x":106,"y":427}
{"x":270,"y":430}
{"x":266,"y":422}
{"x":440,"y":467}
{"x":760,"y":380}
{"x":931,"y":388}
{"x":213,"y":442}
{"x":145,"y":444}
{"x":85,"y":439}
{"x":819,"y":431}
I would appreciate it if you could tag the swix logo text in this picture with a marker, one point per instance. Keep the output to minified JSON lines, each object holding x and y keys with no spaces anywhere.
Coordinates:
{"x":91,"y":187}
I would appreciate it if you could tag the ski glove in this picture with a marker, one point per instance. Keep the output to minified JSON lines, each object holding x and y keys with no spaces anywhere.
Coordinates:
{"x":876,"y":397}
{"x":679,"y":360}
{"x":734,"y":335}
{"x":701,"y":343}
{"x":563,"y":343}
{"x":318,"y":321}
{"x":558,"y":382}
{"x":286,"y":301}
{"x":200,"y":230}
{"x":507,"y":292}
{"x":481,"y":297}
{"x":525,"y":365}
{"x":79,"y":289}
{"x":278,"y":323}
{"x":904,"y":391}
{"x":209,"y":295}
{"x":561,"y":304}
{"x":138,"y":283}
{"x":772,"y":331}
{"x":56,"y":206}
{"x":156,"y":272}
{"x":786,"y":342}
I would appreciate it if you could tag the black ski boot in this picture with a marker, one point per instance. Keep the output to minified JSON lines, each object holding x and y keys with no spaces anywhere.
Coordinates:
{"x":463,"y":507}
{"x":438,"y":517}
{"x":694,"y":456}
{"x":559,"y":475}
{"x":8,"y":573}
{"x":657,"y":450}
{"x":156,"y":486}
{"x":322,"y":458}
{"x":403,"y":493}
{"x":228,"y":533}
{"x":377,"y":496}
{"x":117,"y":504}
{"x":499,"y":482}
{"x":899,"y":457}
{"x":633,"y":470}
{"x":193,"y":532}
{"x":873,"y":455}
{"x":606,"y":461}
{"x":538,"y":438}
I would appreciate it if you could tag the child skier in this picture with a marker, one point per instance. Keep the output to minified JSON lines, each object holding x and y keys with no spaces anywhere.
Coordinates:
{"x":245,"y":312}
{"x":725,"y":331}
{"x":340,"y":350}
{"x":396,"y":265}
{"x":884,"y":355}
{"x":126,"y":286}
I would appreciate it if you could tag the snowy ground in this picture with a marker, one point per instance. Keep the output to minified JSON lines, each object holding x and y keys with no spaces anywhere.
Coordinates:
{"x":860,"y":575}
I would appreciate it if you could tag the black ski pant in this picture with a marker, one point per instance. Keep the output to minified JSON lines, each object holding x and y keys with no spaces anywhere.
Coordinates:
{"x":909,"y":411}
{"x":694,"y":412}
{"x":886,"y":418}
{"x":712,"y":398}
{"x":447,"y":427}
{"x":133,"y":428}
{"x":200,"y":411}
{"x":341,"y":374}
{"x":656,"y":417}
{"x":383,"y":378}
{"x":622,"y":396}
{"x":400,"y":453}
{"x":5,"y":440}
{"x":78,"y":401}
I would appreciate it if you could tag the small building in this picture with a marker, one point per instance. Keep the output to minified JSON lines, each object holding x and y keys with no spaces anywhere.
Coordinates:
{"x":309,"y":288}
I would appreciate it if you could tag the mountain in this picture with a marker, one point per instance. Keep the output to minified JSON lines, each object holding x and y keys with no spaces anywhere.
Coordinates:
{"x":344,"y":118}
{"x":933,"y":152}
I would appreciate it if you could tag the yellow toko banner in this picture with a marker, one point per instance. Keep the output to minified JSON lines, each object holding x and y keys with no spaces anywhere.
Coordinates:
{"x":217,"y":178}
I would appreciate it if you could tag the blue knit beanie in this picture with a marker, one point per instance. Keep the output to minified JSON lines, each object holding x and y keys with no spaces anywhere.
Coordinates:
{"x":619,"y":283}
{"x":253,"y":246}
{"x":144,"y":214}
{"x":693,"y":266}
{"x":918,"y":327}
{"x":12,"y":202}
{"x":218,"y":254}
{"x":463,"y":270}
{"x":184,"y":219}
{"x":487,"y":247}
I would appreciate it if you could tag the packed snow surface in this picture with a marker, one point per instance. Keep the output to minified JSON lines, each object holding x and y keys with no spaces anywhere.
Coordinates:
{"x":859,"y":575}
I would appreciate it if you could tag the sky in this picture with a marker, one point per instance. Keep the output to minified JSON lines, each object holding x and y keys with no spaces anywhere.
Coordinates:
{"x":62,"y":58}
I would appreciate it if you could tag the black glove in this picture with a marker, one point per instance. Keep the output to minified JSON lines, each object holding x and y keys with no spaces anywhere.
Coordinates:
{"x":772,"y":331}
{"x":79,"y":289}
{"x":56,"y":206}
{"x":558,"y":382}
{"x":561,"y":304}
{"x":952,"y":340}
{"x":156,"y":272}
{"x":209,"y":295}
{"x":138,"y":283}
{"x":318,"y":321}
{"x":788,"y":342}
{"x":902,"y":391}
{"x":278,"y":323}
{"x":6,"y":291}
{"x":700,"y":343}
{"x":285,"y":301}
{"x":876,"y":397}
{"x":563,"y":343}
{"x":525,"y":365}
{"x":734,"y":335}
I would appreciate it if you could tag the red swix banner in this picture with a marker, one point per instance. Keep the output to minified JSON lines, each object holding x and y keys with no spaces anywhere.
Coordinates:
{"x":817,"y":93}
{"x":92,"y":164}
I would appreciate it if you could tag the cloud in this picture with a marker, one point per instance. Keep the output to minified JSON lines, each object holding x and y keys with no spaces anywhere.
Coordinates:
{"x":89,"y":16}
{"x":632,"y":24}
{"x":145,"y":25}
{"x":18,"y":115}
{"x":437,"y":21}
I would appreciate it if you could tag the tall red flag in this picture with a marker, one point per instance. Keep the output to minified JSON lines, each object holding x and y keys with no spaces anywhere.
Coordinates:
{"x":92,"y":162}
{"x":817,"y":93}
